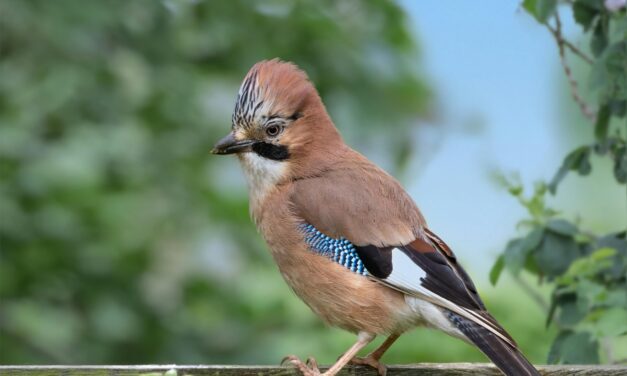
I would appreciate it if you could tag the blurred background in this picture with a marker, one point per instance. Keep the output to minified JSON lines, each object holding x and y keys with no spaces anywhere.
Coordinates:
{"x":124,"y":241}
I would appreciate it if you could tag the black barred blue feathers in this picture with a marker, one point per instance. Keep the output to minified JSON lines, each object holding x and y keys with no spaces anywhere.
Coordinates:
{"x":339,"y":250}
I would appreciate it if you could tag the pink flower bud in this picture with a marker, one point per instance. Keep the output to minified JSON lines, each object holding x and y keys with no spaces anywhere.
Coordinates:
{"x":615,"y":5}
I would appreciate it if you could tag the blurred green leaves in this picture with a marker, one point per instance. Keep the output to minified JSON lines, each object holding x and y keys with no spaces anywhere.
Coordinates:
{"x":588,"y":271}
{"x":607,"y":79}
{"x":588,"y":274}
{"x":574,"y":348}
{"x":540,"y":9}
{"x":121,"y":239}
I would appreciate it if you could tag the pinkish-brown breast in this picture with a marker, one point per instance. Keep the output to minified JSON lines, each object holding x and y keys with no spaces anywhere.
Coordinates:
{"x":339,"y":296}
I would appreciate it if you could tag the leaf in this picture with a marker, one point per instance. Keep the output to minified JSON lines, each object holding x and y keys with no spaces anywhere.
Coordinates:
{"x":559,"y":299}
{"x":541,"y":10}
{"x":562,"y":227}
{"x":533,"y":239}
{"x":593,"y":4}
{"x":515,"y":190}
{"x":536,"y":207}
{"x":516,"y":252}
{"x":612,"y":323}
{"x":570,"y":314}
{"x":588,"y":266}
{"x":620,"y":165}
{"x":584,"y":14}
{"x":617,"y":298}
{"x":545,"y":9}
{"x":589,"y":294}
{"x":618,"y":108}
{"x":609,"y":73}
{"x":579,"y":348}
{"x":556,"y":347}
{"x":514,"y":256}
{"x":577,"y":159}
{"x":584,"y":167}
{"x":602,"y":253}
{"x":602,"y":124}
{"x":617,"y":241}
{"x":530,"y":6}
{"x":555,"y":254}
{"x":497,"y":269}
{"x":532,"y":266}
{"x":552,"y":309}
{"x":599,"y":39}
{"x":618,"y":264}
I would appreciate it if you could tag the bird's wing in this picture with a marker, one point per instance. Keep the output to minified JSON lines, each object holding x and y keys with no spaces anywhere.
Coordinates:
{"x":370,"y":209}
{"x":428,"y":269}
{"x":358,"y":201}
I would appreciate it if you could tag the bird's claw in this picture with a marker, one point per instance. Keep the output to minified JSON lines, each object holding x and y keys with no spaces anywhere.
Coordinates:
{"x":308,"y":368}
{"x":370,"y":361}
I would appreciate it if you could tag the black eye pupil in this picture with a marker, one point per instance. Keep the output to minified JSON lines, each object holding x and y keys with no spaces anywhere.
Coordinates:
{"x":272,"y":130}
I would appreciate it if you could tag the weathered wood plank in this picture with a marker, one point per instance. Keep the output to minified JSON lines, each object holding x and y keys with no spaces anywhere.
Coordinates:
{"x":425,"y":369}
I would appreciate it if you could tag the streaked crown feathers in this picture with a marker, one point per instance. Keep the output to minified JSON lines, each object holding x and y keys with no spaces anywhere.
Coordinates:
{"x":272,"y":91}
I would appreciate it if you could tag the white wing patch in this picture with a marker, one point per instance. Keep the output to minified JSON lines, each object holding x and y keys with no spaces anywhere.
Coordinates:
{"x":406,"y":276}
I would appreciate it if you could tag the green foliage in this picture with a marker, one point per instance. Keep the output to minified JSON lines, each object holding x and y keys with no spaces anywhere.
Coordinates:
{"x":118,"y":242}
{"x":542,"y":10}
{"x":587,"y":271}
{"x":608,"y":79}
{"x":574,"y":348}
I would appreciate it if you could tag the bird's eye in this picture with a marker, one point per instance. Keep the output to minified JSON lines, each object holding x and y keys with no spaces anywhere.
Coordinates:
{"x":273,"y":130}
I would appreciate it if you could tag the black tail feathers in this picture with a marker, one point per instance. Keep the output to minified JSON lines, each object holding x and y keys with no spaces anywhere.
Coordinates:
{"x":509,"y":359}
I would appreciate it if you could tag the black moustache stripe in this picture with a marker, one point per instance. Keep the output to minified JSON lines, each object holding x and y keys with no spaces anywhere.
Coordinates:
{"x":271,"y":151}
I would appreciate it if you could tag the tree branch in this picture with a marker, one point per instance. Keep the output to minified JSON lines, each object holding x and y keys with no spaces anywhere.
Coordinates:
{"x":570,"y":46}
{"x":562,"y":44}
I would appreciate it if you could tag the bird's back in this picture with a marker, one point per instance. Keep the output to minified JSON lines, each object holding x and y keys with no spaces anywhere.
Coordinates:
{"x":355,"y":199}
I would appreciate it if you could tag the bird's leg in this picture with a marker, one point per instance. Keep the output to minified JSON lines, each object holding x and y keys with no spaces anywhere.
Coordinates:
{"x":363,"y":339}
{"x":310,"y":368}
{"x":373,"y":358}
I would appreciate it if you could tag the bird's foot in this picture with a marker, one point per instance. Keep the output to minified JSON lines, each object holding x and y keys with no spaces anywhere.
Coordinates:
{"x":370,"y":361}
{"x":308,"y":368}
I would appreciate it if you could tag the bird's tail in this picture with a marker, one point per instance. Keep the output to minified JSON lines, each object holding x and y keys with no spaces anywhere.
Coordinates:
{"x":508,"y":358}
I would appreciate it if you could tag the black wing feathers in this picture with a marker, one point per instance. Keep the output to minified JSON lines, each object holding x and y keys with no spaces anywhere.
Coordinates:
{"x":448,"y":253}
{"x":444,"y":276}
{"x":441,"y":278}
{"x":378,"y":261}
{"x":504,"y":356}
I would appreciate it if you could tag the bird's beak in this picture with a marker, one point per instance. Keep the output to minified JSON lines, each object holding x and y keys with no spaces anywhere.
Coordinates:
{"x":230,"y":145}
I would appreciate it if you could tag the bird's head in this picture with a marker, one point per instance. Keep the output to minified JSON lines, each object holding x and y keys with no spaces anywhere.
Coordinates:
{"x":279,"y":125}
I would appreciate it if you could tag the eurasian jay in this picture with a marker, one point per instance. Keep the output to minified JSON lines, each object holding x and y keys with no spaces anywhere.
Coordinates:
{"x":345,"y":235}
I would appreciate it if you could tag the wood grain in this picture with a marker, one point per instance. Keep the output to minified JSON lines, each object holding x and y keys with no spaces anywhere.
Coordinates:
{"x":426,"y":369}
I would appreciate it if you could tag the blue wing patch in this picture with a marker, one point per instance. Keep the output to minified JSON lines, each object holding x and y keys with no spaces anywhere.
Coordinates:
{"x":339,"y":250}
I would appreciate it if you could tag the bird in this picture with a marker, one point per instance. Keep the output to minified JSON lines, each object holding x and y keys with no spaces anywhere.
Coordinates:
{"x":346,"y":237}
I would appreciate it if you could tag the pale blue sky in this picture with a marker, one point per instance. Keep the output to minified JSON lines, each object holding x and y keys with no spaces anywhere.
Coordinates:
{"x":490,"y":61}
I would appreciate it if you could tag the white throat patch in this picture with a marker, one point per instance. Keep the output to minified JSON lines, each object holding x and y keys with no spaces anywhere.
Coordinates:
{"x":262,"y":175}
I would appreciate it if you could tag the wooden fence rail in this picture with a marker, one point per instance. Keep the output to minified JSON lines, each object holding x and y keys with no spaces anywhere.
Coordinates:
{"x":426,"y":369}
